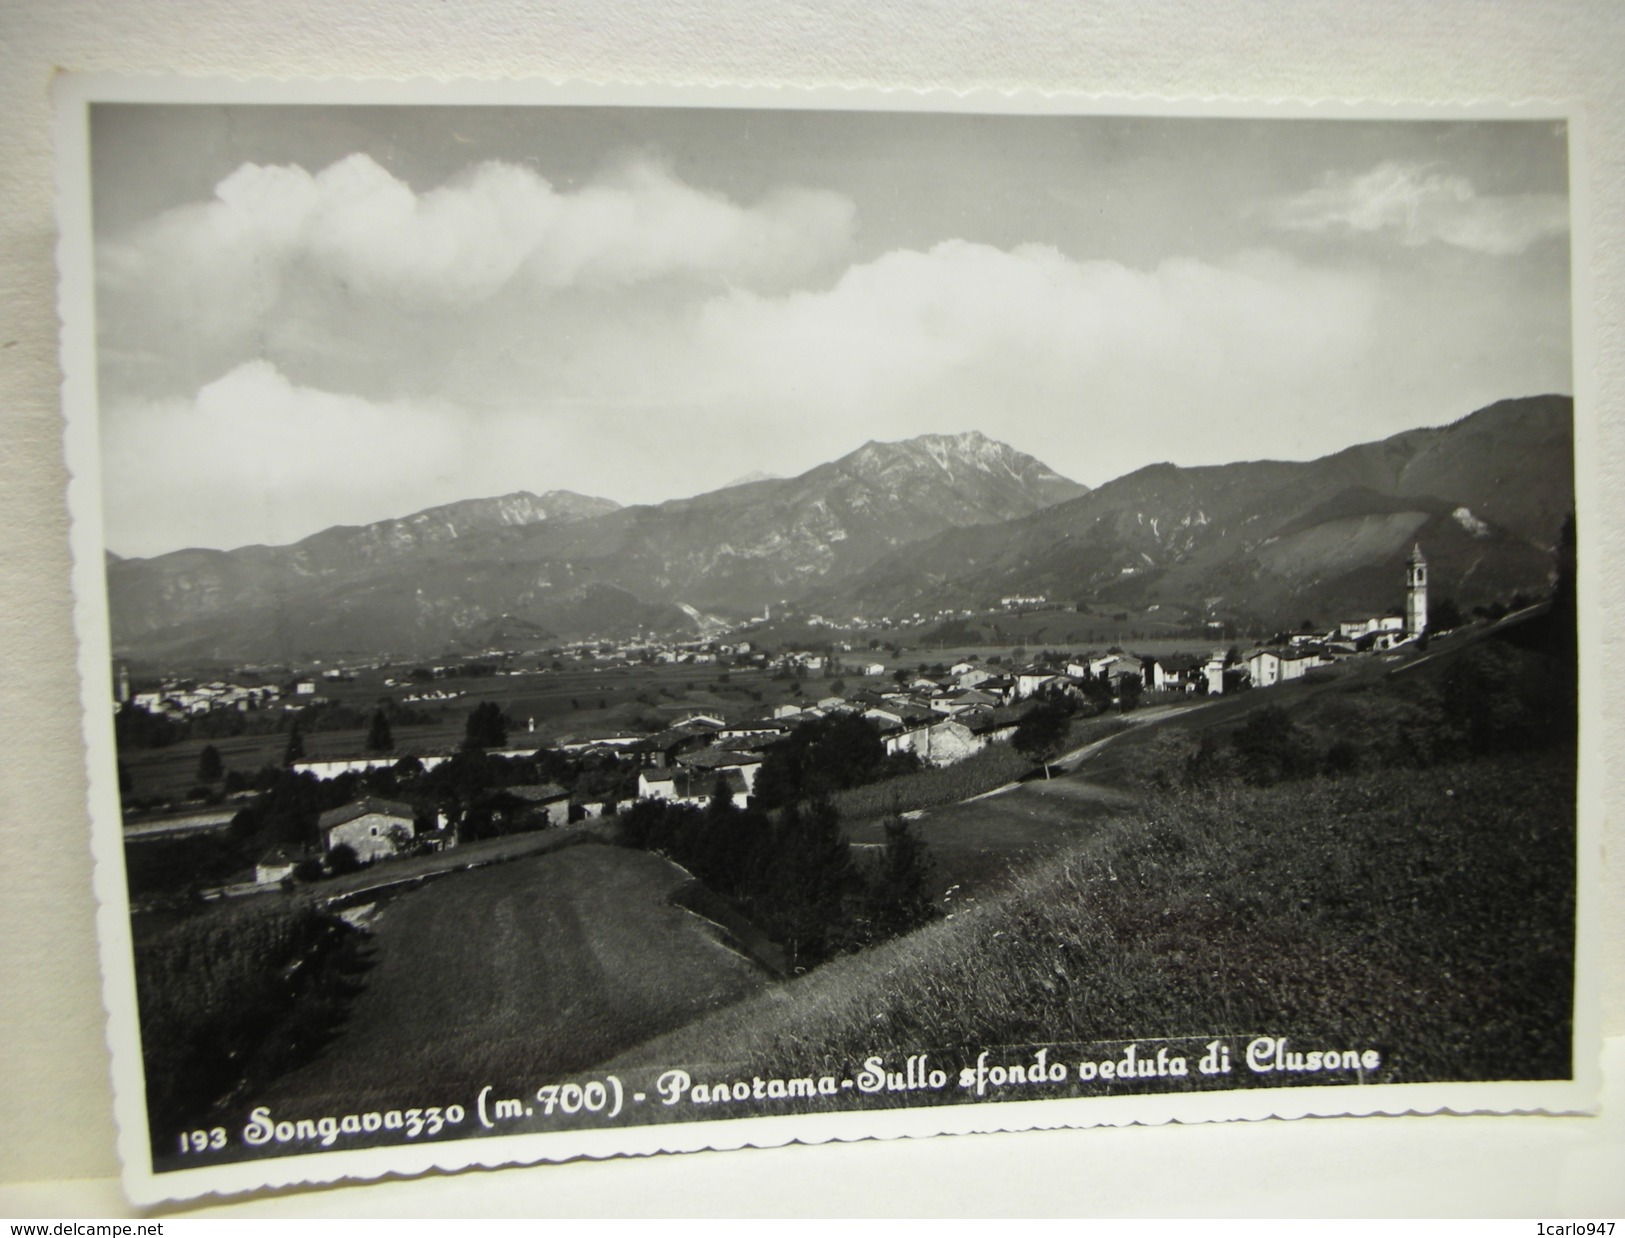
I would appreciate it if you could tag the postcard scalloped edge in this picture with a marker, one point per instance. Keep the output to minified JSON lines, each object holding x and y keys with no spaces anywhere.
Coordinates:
{"x":73,"y":95}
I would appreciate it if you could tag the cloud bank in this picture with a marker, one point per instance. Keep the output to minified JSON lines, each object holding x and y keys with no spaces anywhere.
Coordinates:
{"x":1060,"y":358}
{"x":203,"y":284}
{"x":306,"y":349}
{"x":1418,"y":205}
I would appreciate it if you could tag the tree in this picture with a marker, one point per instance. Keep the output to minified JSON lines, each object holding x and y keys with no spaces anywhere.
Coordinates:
{"x":820,"y":757}
{"x":343,"y":859}
{"x":295,"y":748}
{"x":1444,"y":614}
{"x":487,"y":727}
{"x":1128,"y":692}
{"x":898,"y":896}
{"x":379,"y":738}
{"x":1042,"y":733}
{"x":209,"y":767}
{"x":722,"y":796}
{"x":805,"y":902}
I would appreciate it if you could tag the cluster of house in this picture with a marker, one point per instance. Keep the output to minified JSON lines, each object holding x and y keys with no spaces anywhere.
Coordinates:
{"x":374,"y":828}
{"x":431,"y":694}
{"x":1304,"y":651}
{"x":663,"y":653}
{"x":181,"y":699}
{"x":940,"y":720}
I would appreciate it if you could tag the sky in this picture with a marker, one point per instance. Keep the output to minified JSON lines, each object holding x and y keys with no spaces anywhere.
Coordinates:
{"x":309,"y":316}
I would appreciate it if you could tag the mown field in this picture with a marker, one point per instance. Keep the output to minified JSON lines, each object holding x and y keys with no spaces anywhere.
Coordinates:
{"x":521,"y":973}
{"x":975,"y":848}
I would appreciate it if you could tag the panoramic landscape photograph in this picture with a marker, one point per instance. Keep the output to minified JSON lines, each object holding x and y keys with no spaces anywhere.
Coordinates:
{"x":624,"y":616}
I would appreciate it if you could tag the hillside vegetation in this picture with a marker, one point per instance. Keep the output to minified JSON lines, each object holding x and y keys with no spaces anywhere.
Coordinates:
{"x":1392,"y":867}
{"x":1427,"y":913}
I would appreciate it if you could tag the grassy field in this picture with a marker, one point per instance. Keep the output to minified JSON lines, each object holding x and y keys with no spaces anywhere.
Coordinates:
{"x":976,"y":847}
{"x":1427,"y":913}
{"x":520,"y":973}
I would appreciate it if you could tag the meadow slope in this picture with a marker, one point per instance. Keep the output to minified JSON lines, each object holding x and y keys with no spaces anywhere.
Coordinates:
{"x":1426,"y":912}
{"x":522,"y":971}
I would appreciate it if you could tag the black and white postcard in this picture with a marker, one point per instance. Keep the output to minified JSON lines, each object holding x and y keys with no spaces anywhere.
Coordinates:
{"x":628,"y":620}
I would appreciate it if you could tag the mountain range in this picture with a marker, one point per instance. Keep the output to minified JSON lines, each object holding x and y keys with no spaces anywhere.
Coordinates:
{"x":561,"y":564}
{"x":933,"y":522}
{"x":1263,"y":542}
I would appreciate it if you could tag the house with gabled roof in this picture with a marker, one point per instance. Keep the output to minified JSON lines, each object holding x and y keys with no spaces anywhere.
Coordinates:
{"x":708,"y":720}
{"x":747,"y":764}
{"x":372,"y":827}
{"x":277,"y":864}
{"x":994,"y":726}
{"x":941,"y":742}
{"x":530,"y":806}
{"x":694,"y":787}
{"x":752,"y":728}
{"x":1031,"y":680}
{"x":886,"y":721}
{"x":1173,"y":672}
{"x":1269,"y":666}
{"x":663,"y":748}
{"x":952,"y":702}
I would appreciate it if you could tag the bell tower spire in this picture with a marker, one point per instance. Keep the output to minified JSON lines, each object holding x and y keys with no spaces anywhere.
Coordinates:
{"x":1416,"y":593}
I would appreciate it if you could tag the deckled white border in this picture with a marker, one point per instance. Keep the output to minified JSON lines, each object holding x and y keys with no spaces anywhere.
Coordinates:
{"x":72,"y":97}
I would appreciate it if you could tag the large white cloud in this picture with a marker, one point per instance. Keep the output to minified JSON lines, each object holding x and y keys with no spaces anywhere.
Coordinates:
{"x":255,"y":458}
{"x":1418,"y":204}
{"x":1094,"y":366}
{"x":198,"y":289}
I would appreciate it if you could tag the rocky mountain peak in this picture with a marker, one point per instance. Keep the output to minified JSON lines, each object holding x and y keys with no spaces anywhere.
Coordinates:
{"x":967,"y":455}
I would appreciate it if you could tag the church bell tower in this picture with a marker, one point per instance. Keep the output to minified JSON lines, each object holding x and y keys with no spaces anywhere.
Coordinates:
{"x":1416,"y":593}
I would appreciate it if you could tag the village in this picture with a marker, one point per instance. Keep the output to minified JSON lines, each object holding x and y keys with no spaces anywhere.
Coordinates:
{"x":924,"y":716}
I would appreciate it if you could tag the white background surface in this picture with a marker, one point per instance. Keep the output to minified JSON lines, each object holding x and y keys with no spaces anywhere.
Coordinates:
{"x":55,"y":1117}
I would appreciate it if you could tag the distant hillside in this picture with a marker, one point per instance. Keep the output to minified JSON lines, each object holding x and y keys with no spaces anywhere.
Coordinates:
{"x":1271,"y":541}
{"x":569,"y":565}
